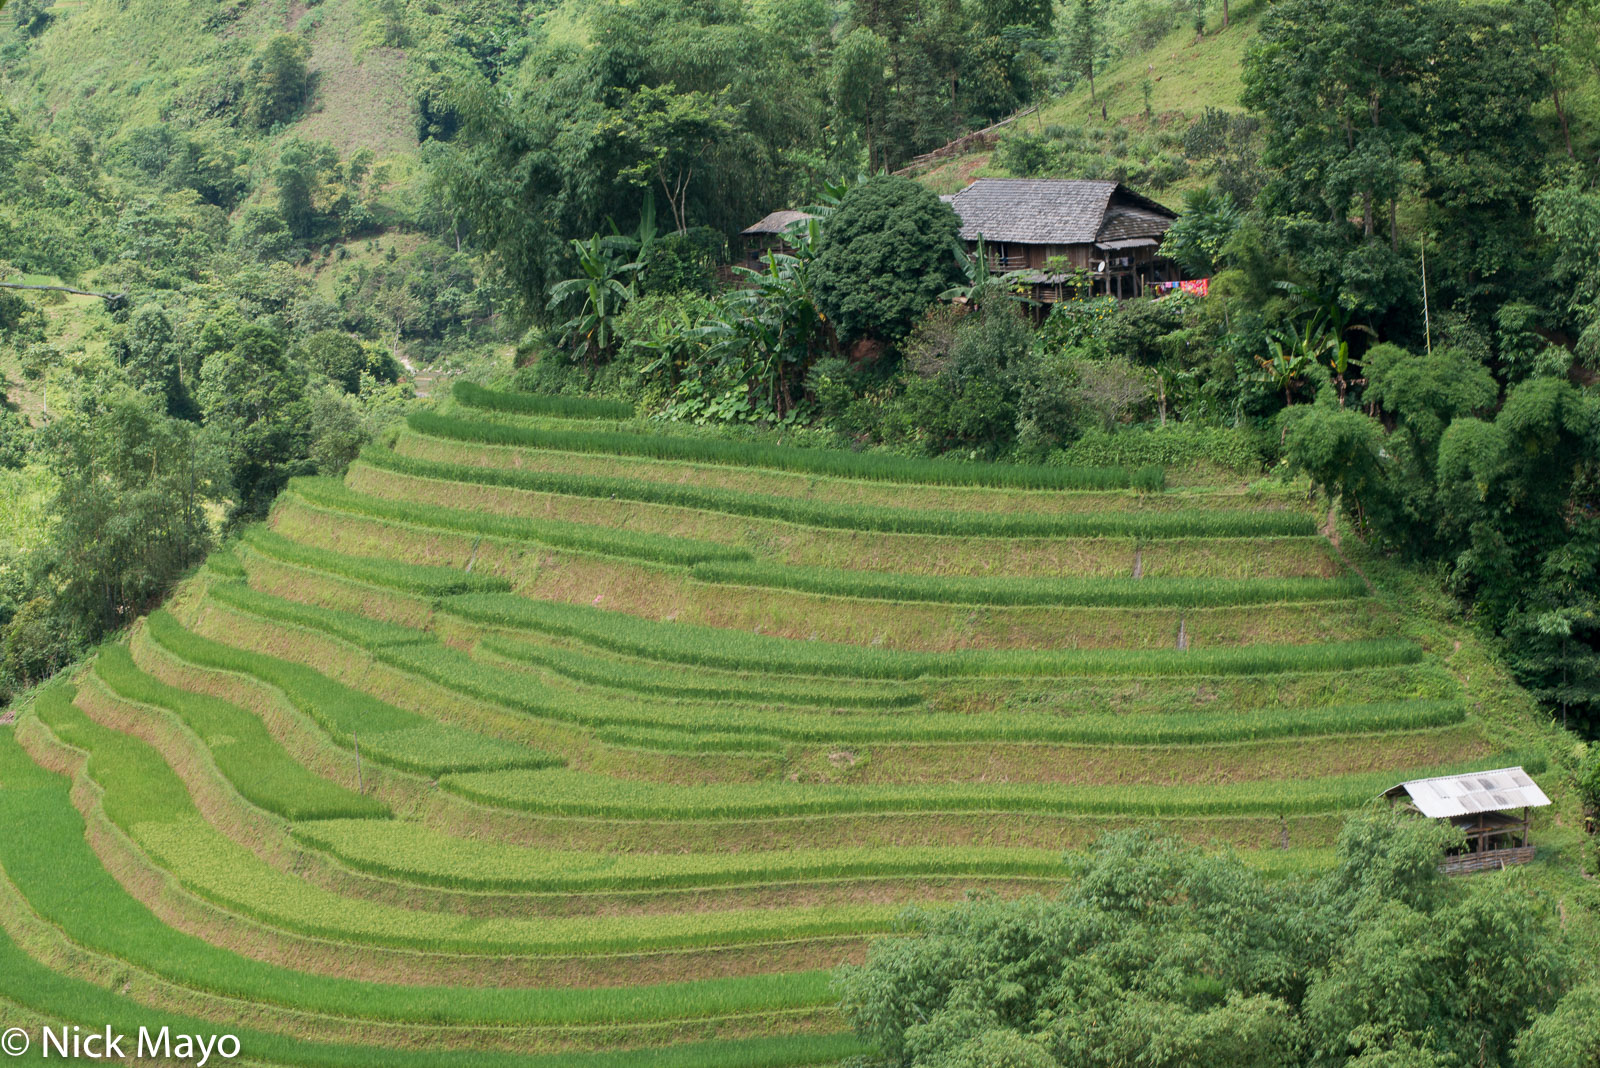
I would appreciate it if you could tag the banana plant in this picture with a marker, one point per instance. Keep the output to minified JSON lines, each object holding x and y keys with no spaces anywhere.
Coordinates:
{"x":1290,"y":354}
{"x":640,"y":243}
{"x":1332,"y":320}
{"x":598,"y":293}
{"x":978,"y":279}
{"x":832,"y":194}
{"x":671,"y":339}
{"x":767,"y":332}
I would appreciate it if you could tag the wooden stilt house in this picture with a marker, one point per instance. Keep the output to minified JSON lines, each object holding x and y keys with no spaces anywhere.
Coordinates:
{"x":1064,"y":232}
{"x":1067,"y":237}
{"x":1490,"y":808}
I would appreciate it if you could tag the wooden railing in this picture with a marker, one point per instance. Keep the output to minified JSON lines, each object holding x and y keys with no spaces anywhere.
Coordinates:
{"x":1489,"y":860}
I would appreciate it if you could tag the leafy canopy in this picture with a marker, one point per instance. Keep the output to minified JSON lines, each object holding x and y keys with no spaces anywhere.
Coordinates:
{"x":1159,"y":955}
{"x":886,"y":254}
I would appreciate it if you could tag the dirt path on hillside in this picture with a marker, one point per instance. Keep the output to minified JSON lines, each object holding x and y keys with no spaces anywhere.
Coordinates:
{"x":421,"y":381}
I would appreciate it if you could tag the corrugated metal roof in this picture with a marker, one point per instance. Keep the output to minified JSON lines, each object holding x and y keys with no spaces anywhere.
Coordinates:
{"x":1056,"y":211}
{"x":1478,"y":791}
{"x":777,"y":222}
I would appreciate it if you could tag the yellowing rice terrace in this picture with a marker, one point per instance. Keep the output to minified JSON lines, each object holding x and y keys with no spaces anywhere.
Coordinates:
{"x":543,"y":739}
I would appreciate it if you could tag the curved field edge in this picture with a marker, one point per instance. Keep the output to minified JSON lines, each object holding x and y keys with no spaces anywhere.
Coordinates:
{"x":408,"y":442}
{"x":713,"y":647}
{"x":436,"y":581}
{"x":146,"y":799}
{"x":453,"y":670}
{"x":645,"y":441}
{"x":69,"y":888}
{"x":824,"y":513}
{"x":577,"y":794}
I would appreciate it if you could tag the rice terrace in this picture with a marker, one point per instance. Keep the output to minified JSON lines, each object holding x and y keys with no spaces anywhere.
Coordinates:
{"x":536,"y":735}
{"x":778,"y":533}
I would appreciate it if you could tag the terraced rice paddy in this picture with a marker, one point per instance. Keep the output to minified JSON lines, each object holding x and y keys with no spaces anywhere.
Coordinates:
{"x":540,"y":740}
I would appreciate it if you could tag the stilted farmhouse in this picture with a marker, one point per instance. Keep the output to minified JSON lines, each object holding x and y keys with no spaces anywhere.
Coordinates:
{"x":1069,"y":237}
{"x":1054,"y":228}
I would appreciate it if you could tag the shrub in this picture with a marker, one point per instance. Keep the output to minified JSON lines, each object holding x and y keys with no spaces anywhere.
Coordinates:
{"x":38,"y":643}
{"x":344,"y":359}
{"x":1588,"y":778}
{"x":966,"y":374}
{"x":1110,"y":391}
{"x":337,"y":433}
{"x":276,"y":81}
{"x":886,"y":254}
{"x":684,"y":262}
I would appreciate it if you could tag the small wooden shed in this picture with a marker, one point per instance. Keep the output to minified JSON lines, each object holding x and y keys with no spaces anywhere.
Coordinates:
{"x":768,"y":234}
{"x":1484,"y":806}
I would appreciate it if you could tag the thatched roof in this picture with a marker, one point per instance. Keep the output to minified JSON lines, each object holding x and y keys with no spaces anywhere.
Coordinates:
{"x":776,"y":223}
{"x":1057,"y":211}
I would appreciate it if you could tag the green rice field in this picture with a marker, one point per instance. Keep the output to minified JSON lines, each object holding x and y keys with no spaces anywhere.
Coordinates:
{"x":544,"y":739}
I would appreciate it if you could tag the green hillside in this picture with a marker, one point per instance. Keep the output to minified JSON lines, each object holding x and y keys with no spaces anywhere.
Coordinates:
{"x":567,"y":707}
{"x":449,"y":619}
{"x":139,"y":164}
{"x":1185,"y":74}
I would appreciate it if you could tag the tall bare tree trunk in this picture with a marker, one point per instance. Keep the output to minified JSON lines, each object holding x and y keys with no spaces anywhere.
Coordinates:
{"x":1561,"y":113}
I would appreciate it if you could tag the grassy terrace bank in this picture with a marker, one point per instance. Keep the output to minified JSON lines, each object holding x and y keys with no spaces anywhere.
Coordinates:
{"x":549,"y":734}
